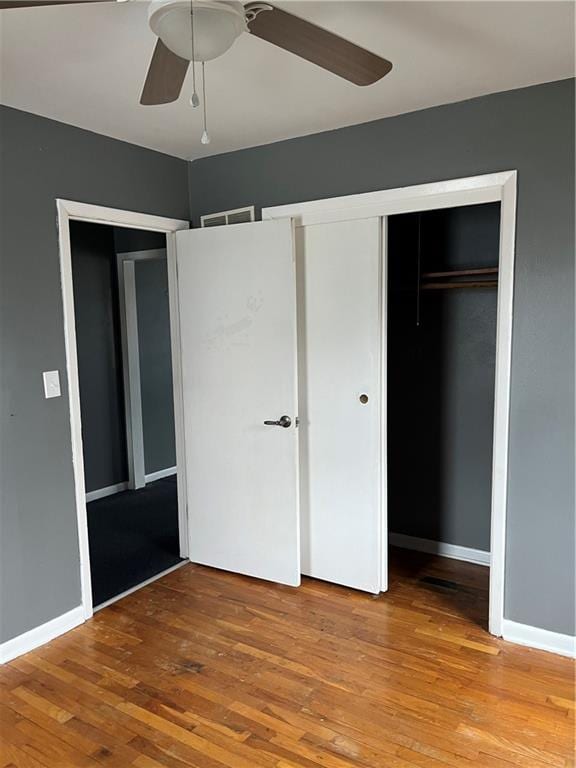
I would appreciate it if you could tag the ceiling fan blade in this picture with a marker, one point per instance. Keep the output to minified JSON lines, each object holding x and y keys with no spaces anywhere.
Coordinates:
{"x":36,"y":3}
{"x":316,"y":45}
{"x":165,"y":76}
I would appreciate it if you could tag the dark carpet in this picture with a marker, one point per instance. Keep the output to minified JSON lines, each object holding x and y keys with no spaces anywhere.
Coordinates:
{"x":133,"y":536}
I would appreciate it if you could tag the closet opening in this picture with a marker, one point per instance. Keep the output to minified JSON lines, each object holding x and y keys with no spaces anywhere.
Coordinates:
{"x":441,"y":359}
{"x":123,"y":345}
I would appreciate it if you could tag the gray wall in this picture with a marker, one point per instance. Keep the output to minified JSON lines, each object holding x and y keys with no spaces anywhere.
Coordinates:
{"x":531,"y":130}
{"x":99,"y":346}
{"x":155,"y":364}
{"x":441,"y":369}
{"x":40,"y":161}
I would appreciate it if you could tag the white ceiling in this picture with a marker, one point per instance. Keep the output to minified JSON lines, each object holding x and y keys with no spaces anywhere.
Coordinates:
{"x":85,"y":65}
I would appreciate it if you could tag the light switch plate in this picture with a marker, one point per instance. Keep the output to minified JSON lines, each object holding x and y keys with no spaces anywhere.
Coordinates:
{"x":51,"y":384}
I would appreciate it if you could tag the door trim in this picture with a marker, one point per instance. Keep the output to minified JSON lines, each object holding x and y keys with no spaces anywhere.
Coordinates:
{"x":474,"y":190}
{"x":383,"y":463}
{"x":69,"y":210}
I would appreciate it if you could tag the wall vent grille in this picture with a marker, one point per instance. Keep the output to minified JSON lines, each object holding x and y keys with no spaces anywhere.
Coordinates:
{"x":237,"y":216}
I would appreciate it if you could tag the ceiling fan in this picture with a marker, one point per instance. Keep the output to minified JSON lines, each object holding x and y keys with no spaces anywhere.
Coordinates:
{"x":217,"y":24}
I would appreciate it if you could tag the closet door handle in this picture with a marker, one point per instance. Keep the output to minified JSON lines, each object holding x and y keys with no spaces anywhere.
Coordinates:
{"x":283,"y":421}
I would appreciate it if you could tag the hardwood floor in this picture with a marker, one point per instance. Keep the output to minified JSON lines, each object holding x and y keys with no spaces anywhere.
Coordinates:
{"x":209,"y":669}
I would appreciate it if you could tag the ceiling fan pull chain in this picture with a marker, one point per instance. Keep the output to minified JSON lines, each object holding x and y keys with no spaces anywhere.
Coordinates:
{"x":194,"y":100}
{"x":205,"y":137}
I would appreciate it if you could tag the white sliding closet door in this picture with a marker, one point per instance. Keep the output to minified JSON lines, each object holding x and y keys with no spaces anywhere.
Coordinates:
{"x":237,"y":303}
{"x":339,"y":339}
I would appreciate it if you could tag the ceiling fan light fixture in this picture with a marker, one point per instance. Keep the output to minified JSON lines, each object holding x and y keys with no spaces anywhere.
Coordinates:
{"x":217,"y":24}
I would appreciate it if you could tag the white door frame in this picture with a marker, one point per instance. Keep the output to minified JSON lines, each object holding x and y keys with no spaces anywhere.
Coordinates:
{"x":137,"y":477}
{"x":473,"y":190}
{"x":69,"y":210}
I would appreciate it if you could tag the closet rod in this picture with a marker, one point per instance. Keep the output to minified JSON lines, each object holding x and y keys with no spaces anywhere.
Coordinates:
{"x":462,"y":272}
{"x":469,"y":284}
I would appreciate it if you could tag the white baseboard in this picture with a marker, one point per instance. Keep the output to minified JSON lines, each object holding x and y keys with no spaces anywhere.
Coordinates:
{"x":160,"y":474}
{"x":110,"y":490}
{"x":542,"y":639}
{"x":103,"y":492}
{"x":36,"y":637}
{"x":453,"y":551}
{"x":145,"y":583}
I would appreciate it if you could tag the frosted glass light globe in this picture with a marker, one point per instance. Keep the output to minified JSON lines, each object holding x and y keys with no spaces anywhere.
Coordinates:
{"x":217,"y":24}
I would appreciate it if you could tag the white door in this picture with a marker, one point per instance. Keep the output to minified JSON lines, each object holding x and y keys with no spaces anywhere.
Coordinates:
{"x":237,"y":297}
{"x":340,"y":341}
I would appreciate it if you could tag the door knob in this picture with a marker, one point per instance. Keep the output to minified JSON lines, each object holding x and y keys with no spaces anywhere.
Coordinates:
{"x":283,"y":421}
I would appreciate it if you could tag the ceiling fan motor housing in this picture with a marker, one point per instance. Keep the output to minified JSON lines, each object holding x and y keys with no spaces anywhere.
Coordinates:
{"x":217,"y":24}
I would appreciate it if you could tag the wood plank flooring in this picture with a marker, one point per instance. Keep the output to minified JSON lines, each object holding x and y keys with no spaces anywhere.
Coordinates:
{"x":209,"y":669}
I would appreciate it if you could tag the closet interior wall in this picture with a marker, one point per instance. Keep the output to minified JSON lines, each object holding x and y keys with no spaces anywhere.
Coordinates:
{"x":441,"y":374}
